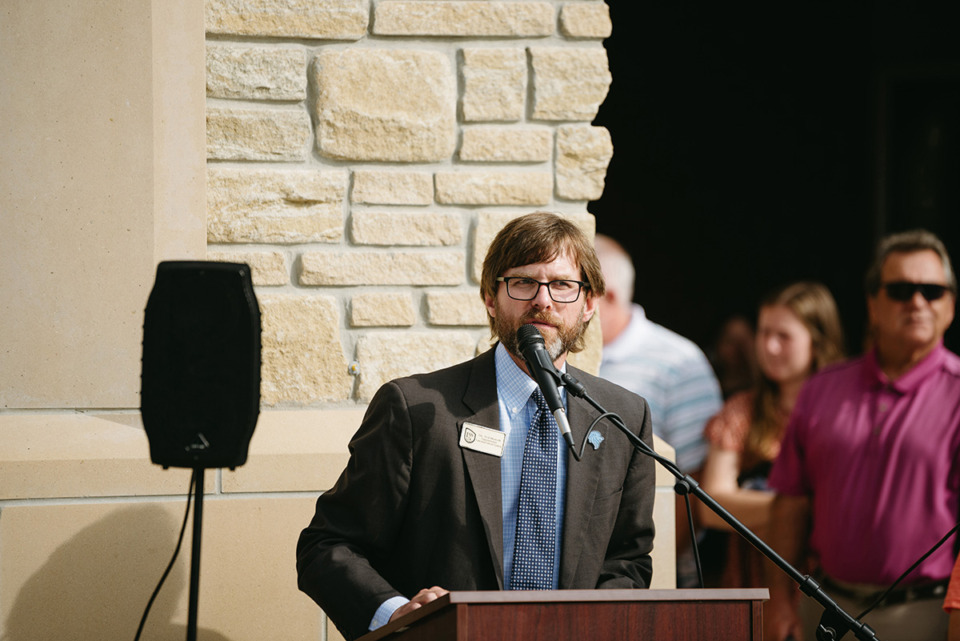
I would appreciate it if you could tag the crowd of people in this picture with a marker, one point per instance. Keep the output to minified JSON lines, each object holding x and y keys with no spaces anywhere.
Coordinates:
{"x":848,"y":467}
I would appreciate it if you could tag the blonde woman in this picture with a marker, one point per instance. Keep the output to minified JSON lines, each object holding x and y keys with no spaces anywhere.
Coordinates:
{"x":798,"y":332}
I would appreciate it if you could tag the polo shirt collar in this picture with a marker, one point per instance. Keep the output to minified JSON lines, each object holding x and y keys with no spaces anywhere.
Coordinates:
{"x":910,"y":381}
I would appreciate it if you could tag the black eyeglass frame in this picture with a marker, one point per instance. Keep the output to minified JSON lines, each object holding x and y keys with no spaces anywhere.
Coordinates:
{"x":506,"y":281}
{"x":904,"y":290}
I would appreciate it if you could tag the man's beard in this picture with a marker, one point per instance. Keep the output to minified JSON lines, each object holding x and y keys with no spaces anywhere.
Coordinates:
{"x":567,"y":335}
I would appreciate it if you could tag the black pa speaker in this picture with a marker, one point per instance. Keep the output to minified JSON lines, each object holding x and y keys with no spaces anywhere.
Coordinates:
{"x":200,"y":382}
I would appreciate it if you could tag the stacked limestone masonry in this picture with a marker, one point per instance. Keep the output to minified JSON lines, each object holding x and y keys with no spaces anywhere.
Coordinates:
{"x":362,"y":154}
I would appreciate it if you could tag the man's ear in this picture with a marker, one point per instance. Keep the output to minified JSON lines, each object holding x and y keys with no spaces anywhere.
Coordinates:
{"x":590,"y":307}
{"x":490,"y":304}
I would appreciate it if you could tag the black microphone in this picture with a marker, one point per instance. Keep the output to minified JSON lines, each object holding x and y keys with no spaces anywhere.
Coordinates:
{"x":534,"y":352}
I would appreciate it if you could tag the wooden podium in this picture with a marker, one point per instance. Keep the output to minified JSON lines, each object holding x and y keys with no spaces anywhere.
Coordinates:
{"x":583,"y":615}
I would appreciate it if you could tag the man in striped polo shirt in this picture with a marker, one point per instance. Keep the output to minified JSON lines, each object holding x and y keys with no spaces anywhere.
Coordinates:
{"x":666,"y":369}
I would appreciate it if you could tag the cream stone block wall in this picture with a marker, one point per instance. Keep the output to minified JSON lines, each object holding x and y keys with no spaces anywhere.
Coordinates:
{"x":506,"y":144}
{"x":390,"y":354}
{"x":470,"y":19}
{"x":585,"y":20}
{"x":532,"y":188}
{"x":406,"y":228}
{"x":301,"y":354}
{"x":387,"y":105}
{"x":372,"y":309}
{"x":570,"y":83}
{"x":266,"y":73}
{"x":373,"y":146}
{"x":377,"y":268}
{"x":583,"y":154}
{"x":274,"y":206}
{"x":494,"y":84}
{"x":266,"y":267}
{"x":334,"y":19}
{"x":455,"y":308}
{"x":257,"y":134}
{"x":389,"y":187}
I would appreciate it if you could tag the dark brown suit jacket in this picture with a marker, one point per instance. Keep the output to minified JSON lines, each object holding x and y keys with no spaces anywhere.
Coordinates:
{"x":413,"y":509}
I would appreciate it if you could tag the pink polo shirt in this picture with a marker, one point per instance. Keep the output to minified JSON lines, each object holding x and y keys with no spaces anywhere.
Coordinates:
{"x":880,"y":461}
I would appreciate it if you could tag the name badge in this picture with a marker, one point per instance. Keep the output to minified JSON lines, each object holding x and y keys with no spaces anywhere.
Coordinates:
{"x":482,"y":439}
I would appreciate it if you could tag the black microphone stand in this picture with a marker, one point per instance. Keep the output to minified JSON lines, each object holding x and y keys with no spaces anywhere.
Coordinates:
{"x":834,"y":624}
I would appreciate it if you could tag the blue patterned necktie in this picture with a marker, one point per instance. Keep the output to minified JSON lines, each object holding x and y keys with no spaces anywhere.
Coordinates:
{"x":534,"y":550}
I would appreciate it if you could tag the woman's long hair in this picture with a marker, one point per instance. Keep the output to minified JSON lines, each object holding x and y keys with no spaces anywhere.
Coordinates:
{"x":815,"y":307}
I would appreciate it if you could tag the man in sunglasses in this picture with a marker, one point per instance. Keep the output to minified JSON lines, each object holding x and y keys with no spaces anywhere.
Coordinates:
{"x":459,"y":480}
{"x":868,"y":479}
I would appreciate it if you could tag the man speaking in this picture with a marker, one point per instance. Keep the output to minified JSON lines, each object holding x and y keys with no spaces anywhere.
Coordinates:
{"x":460,"y":480}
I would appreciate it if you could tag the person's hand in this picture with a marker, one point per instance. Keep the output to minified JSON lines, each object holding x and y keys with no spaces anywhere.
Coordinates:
{"x":422,"y":597}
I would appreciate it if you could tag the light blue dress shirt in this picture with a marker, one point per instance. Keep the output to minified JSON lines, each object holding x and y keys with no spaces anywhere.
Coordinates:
{"x":517,"y":409}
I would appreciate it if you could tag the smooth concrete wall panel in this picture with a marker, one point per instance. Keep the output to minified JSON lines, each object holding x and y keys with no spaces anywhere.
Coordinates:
{"x":295,"y":451}
{"x":80,"y":456}
{"x":665,"y":542}
{"x":179,"y":125}
{"x":81,"y":200}
{"x":86,"y":571}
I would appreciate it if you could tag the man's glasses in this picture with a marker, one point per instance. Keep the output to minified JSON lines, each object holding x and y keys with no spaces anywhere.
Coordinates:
{"x":903,"y":291}
{"x":561,"y":291}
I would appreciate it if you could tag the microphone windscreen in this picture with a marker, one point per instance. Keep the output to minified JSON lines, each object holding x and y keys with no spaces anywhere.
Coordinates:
{"x":528,"y":335}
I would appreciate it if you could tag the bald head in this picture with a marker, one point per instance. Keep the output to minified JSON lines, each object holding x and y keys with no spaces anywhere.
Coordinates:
{"x":617,"y":268}
{"x":619,"y":274}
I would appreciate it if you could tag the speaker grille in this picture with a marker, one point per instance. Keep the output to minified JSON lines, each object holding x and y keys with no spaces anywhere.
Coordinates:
{"x":200,"y":381}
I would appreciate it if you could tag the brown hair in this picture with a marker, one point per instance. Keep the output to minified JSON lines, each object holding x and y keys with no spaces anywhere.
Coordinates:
{"x":814,"y":306}
{"x":539,"y":238}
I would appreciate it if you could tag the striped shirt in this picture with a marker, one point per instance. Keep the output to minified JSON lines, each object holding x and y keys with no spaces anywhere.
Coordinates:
{"x":675,"y":377}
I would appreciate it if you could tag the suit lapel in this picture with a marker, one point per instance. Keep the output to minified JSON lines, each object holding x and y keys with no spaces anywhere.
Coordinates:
{"x":480,"y":397}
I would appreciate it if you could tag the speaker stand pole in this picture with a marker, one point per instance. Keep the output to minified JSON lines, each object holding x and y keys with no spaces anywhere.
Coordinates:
{"x":195,"y":557}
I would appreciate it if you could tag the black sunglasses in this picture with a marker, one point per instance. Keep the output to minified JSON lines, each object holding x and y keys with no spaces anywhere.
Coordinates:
{"x":903,"y":291}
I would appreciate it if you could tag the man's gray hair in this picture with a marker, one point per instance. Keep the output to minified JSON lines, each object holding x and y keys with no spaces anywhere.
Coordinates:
{"x":908,"y":241}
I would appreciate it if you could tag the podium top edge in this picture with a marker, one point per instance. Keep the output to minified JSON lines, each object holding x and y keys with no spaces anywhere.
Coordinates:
{"x":567,"y":596}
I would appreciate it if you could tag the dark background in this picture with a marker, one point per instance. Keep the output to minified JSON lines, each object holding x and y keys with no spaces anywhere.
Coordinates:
{"x":756,"y":146}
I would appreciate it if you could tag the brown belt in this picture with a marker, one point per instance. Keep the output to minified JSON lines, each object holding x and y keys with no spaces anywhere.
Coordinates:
{"x":900,"y":595}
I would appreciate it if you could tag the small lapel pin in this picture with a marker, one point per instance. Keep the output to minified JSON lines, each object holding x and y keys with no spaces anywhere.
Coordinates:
{"x":595,"y":439}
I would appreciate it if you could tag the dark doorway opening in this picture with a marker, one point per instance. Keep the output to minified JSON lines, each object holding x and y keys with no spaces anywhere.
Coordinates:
{"x":757,"y":147}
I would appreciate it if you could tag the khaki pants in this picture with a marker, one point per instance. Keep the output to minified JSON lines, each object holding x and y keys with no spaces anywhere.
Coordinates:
{"x":922,"y":620}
